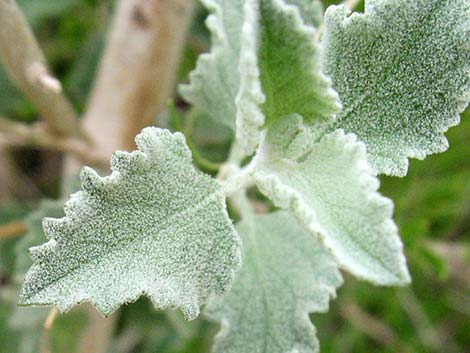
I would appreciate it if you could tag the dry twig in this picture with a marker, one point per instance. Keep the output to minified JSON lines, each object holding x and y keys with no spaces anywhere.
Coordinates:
{"x":26,"y":65}
{"x":137,"y":74}
{"x":19,"y":134}
{"x":373,"y":327}
{"x":51,"y":318}
{"x":13,"y":229}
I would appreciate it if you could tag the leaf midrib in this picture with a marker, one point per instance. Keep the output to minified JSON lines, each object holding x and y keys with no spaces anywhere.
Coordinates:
{"x":129,"y":243}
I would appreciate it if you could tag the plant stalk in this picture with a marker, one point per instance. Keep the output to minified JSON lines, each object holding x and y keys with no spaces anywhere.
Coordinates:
{"x":26,"y":65}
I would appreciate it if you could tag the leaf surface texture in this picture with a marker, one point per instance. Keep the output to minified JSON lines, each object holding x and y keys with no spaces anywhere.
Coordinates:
{"x":215,"y":82}
{"x":331,"y":190}
{"x":155,"y":226}
{"x":264,"y":62}
{"x":281,"y":72}
{"x":286,"y":275}
{"x":402,"y":70}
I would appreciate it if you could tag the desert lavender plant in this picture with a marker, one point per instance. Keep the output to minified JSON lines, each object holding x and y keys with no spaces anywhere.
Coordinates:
{"x":321,"y":107}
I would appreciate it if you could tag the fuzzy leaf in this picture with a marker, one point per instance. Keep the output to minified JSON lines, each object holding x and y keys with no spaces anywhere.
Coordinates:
{"x":281,"y":74}
{"x":333,"y":193}
{"x":286,"y":275}
{"x":215,"y":81}
{"x":155,"y":226}
{"x":247,"y":38}
{"x":35,"y":234}
{"x":402,"y":70}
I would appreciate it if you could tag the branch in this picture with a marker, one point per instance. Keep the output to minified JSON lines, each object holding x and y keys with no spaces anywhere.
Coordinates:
{"x":19,"y":134}
{"x":456,"y":256}
{"x":26,"y":65}
{"x":177,"y":120}
{"x":431,"y":337}
{"x":98,"y":335}
{"x":13,"y":229}
{"x":51,"y":318}
{"x":370,"y":325}
{"x":138,"y":71}
{"x":234,"y":178}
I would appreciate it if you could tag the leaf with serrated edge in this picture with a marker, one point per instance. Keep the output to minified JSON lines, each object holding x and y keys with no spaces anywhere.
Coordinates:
{"x":155,"y":226}
{"x":35,"y":234}
{"x":250,"y":97}
{"x":402,"y":70}
{"x":286,"y":275}
{"x":282,"y":73}
{"x":331,"y":190}
{"x":215,"y":82}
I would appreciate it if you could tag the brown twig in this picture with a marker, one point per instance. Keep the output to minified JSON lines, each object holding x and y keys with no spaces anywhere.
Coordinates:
{"x":51,"y":318}
{"x":457,"y":257}
{"x":430,"y":336}
{"x":26,"y":65}
{"x":12,"y":230}
{"x":19,"y":134}
{"x":370,"y":325}
{"x":137,"y":74}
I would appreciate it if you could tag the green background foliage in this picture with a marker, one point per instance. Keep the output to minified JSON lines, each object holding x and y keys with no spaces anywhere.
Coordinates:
{"x":432,"y":210}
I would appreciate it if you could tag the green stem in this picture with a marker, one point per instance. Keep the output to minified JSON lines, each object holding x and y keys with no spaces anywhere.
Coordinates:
{"x":203,"y":163}
{"x":238,"y":179}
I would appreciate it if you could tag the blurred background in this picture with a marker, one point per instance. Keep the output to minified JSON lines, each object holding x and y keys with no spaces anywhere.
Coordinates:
{"x":432,"y":209}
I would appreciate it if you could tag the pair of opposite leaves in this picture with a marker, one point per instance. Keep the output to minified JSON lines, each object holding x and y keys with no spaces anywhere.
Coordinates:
{"x":159,"y":227}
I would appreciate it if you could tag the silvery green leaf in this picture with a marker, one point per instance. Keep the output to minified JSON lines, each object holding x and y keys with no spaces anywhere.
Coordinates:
{"x":155,"y":226}
{"x":281,"y":73}
{"x":402,"y":70}
{"x":35,"y":234}
{"x":215,"y":81}
{"x":247,"y":38}
{"x":250,"y":118}
{"x":286,"y":275}
{"x":332,"y":191}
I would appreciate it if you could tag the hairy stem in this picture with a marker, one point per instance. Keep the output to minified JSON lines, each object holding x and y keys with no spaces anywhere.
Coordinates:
{"x":238,"y":179}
